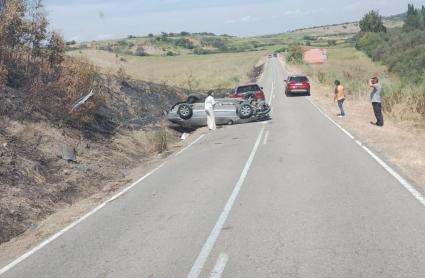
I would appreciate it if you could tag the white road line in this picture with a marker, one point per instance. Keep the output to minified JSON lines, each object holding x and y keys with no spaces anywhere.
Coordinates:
{"x":75,"y":223}
{"x":266,"y":137}
{"x":330,"y":119}
{"x":190,"y":145}
{"x":219,"y":266}
{"x":212,"y":238}
{"x":410,"y":188}
{"x":400,"y":179}
{"x":271,"y":93}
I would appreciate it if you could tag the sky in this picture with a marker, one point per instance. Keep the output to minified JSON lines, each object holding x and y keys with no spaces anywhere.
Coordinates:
{"x":86,"y":20}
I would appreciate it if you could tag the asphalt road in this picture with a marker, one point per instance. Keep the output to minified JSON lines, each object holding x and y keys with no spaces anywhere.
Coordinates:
{"x":294,"y":197}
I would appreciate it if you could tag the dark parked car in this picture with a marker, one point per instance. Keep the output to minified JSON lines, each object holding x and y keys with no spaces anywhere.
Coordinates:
{"x":243,"y":90}
{"x":297,"y":84}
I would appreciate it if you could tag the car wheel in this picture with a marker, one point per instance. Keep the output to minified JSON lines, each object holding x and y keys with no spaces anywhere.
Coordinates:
{"x":185,"y":111}
{"x":230,"y":122}
{"x":245,"y":111}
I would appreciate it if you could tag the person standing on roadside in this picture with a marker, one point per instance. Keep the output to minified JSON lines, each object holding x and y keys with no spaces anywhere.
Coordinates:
{"x":209,"y":109}
{"x":339,"y":97}
{"x":375,"y":97}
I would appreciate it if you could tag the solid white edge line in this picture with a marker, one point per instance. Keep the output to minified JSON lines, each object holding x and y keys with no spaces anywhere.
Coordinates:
{"x":202,"y":258}
{"x":220,"y":265}
{"x":410,"y":188}
{"x":81,"y":219}
{"x":266,"y":137}
{"x":330,"y":119}
{"x":190,"y":145}
{"x":400,"y":179}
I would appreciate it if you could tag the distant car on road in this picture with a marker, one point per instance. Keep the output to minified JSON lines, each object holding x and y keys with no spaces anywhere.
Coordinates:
{"x":297,"y":84}
{"x":228,"y":111}
{"x":274,"y":54}
{"x":243,"y":90}
{"x":270,"y":56}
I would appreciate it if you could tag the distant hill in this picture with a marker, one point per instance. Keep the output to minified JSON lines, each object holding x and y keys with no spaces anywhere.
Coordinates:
{"x":184,"y":43}
{"x":173,"y":44}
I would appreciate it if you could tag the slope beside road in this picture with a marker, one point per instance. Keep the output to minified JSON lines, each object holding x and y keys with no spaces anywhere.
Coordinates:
{"x":292,"y":197}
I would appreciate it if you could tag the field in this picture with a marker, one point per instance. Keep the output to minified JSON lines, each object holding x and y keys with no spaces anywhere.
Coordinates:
{"x":223,"y":70}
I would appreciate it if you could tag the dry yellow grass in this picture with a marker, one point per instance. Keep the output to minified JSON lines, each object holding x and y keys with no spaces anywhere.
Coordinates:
{"x":202,"y":71}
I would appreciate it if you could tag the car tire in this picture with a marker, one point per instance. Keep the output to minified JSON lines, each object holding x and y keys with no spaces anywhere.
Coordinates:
{"x":185,"y":111}
{"x":245,"y":111}
{"x":230,"y":122}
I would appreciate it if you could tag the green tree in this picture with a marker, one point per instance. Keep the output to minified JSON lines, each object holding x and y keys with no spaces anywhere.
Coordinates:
{"x":56,"y":49}
{"x":414,"y":18}
{"x":372,"y":22}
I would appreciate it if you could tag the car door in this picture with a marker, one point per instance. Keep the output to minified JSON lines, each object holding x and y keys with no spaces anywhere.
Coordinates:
{"x":225,"y":111}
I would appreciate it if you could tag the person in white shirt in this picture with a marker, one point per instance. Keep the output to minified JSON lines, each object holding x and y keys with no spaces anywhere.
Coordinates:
{"x":209,"y":109}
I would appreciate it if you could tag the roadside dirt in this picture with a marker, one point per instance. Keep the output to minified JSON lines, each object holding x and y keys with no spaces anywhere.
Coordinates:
{"x":69,"y":212}
{"x":399,"y":143}
{"x":36,"y":180}
{"x":40,"y":192}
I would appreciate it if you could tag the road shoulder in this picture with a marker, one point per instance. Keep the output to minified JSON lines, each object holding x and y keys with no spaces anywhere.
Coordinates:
{"x":400,"y":144}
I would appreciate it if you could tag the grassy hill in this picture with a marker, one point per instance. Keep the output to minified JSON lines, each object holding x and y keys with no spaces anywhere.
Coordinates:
{"x":184,"y":43}
{"x":174,"y":44}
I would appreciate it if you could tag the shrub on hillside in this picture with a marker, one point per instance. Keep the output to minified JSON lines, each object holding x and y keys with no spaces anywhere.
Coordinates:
{"x":185,"y":43}
{"x":331,"y":42}
{"x":294,"y":55}
{"x":140,"y":51}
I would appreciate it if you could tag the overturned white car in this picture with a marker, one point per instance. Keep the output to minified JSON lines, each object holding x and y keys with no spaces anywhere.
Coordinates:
{"x":228,"y":111}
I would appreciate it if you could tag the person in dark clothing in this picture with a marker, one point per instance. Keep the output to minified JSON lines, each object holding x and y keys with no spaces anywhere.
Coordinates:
{"x":375,"y":97}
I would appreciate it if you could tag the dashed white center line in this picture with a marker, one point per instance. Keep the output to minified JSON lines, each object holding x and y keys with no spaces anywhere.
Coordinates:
{"x":219,"y":266}
{"x":202,"y":258}
{"x":266,"y":138}
{"x":271,"y":94}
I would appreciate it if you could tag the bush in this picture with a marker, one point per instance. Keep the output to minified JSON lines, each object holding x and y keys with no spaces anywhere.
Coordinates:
{"x":294,"y":55}
{"x":369,"y":41}
{"x":282,"y":49}
{"x":331,"y":42}
{"x":140,"y":51}
{"x":183,"y":42}
{"x":202,"y":51}
{"x":171,"y":53}
{"x":309,"y":38}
